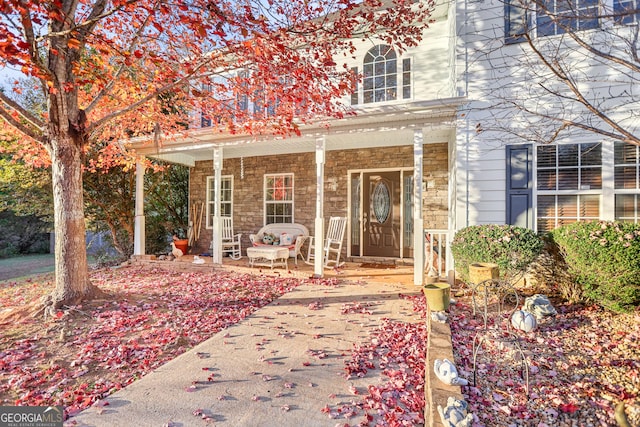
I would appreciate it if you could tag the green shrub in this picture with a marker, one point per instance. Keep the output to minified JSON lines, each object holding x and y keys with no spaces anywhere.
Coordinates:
{"x":512,"y":248}
{"x":604,"y":258}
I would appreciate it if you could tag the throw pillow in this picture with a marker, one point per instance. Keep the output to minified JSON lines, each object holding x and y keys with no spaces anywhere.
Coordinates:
{"x":286,"y":239}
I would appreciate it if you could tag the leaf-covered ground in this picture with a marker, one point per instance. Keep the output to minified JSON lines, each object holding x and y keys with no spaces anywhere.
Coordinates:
{"x":89,"y":351}
{"x":396,"y":354}
{"x":582,"y":363}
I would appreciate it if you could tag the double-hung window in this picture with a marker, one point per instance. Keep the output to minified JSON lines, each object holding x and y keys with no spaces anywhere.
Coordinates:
{"x":226,"y":198}
{"x":626,"y":12}
{"x":561,"y":16}
{"x":574,"y":182}
{"x":540,"y":18}
{"x":627,"y":182}
{"x":569,"y":184}
{"x":278,"y":198}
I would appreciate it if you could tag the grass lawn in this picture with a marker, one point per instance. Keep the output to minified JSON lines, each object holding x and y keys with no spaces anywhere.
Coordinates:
{"x":25,"y":265}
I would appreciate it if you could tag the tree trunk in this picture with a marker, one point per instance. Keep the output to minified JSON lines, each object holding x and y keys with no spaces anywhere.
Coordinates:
{"x":72,"y":273}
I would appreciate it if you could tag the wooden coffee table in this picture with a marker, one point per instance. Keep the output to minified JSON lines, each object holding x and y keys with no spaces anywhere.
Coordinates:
{"x":268,"y":256}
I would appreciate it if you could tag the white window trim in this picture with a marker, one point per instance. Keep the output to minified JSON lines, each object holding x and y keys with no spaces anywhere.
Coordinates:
{"x":208,"y":202}
{"x":264,"y":195}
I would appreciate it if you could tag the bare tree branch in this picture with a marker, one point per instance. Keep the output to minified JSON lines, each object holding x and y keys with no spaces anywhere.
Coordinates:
{"x":581,"y":70}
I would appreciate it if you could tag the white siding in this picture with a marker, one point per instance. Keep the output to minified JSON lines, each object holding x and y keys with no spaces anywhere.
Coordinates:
{"x":488,"y":72}
{"x":431,"y":63}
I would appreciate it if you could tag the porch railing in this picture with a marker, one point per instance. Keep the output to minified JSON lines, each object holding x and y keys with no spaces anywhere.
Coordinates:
{"x":438,"y":258}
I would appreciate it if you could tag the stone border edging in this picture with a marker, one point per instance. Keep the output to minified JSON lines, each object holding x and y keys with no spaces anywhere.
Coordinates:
{"x":439,"y":346}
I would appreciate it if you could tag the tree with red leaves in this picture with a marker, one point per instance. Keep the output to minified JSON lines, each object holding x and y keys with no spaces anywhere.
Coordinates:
{"x":116,"y":69}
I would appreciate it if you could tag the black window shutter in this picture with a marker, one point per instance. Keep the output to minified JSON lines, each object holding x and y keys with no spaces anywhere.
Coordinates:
{"x":519,"y":185}
{"x":516,"y":21}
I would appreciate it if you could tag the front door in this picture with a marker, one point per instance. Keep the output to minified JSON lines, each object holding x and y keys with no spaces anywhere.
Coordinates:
{"x":381,"y":214}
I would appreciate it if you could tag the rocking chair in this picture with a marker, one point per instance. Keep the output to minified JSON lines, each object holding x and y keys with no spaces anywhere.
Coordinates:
{"x":332,"y":243}
{"x":231,"y":243}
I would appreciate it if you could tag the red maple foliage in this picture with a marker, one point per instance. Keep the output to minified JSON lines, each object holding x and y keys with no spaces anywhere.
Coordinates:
{"x":114,"y":69}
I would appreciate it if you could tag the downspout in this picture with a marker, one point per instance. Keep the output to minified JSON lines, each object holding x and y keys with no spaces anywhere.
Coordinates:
{"x":466,"y":92}
{"x":418,"y":220}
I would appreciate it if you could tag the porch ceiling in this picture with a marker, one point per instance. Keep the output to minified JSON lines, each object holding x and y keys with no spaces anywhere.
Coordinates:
{"x":379,"y":127}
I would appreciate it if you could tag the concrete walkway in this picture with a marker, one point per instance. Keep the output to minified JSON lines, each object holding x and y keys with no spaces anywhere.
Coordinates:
{"x":279,"y":367}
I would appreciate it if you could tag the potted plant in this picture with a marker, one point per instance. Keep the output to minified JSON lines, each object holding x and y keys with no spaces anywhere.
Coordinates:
{"x":180,"y":240}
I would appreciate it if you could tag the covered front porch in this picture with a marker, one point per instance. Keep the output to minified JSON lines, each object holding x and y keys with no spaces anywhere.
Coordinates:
{"x":399,"y":273}
{"x":387,"y":171}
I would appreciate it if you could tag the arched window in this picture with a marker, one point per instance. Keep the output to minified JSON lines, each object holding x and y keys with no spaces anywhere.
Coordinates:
{"x":380,"y":75}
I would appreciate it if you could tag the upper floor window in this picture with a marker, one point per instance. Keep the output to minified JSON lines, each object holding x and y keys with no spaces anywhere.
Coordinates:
{"x":626,"y":11}
{"x":561,"y":16}
{"x":549,"y":17}
{"x":382,"y":80}
{"x":245,"y":103}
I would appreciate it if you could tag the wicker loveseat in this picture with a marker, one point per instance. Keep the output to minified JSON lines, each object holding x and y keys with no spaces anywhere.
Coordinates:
{"x":290,"y":235}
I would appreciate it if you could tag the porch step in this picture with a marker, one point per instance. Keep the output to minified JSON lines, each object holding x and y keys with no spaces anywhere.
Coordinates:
{"x":381,"y":260}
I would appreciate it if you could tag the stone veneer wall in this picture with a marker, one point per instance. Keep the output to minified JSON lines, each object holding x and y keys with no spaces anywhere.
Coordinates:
{"x":248,"y":205}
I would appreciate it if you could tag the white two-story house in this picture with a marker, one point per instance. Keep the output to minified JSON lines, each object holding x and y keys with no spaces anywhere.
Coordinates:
{"x":430,"y":150}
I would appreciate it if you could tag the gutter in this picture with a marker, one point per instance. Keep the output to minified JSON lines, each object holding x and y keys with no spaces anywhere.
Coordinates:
{"x":209,"y":138}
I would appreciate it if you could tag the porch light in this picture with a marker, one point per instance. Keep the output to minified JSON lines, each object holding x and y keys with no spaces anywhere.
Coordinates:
{"x":332,"y":184}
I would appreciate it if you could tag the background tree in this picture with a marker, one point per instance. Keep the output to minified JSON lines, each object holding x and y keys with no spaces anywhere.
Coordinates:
{"x":26,"y":206}
{"x":167,"y":206}
{"x":26,"y":209}
{"x":26,"y":203}
{"x":103,"y":65}
{"x":581,"y":65}
{"x":110,"y":200}
{"x":25,"y":190}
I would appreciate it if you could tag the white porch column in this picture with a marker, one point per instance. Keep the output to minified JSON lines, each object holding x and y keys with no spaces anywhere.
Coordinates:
{"x":418,"y":220}
{"x":216,"y":250}
{"x":139,"y":222}
{"x":318,"y":264}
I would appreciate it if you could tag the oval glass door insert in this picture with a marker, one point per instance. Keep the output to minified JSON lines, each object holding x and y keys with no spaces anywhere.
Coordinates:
{"x":381,"y":201}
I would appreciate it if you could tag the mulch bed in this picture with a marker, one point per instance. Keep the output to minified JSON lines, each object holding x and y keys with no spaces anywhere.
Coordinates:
{"x":582,"y":363}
